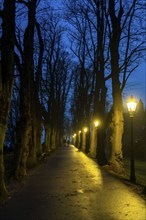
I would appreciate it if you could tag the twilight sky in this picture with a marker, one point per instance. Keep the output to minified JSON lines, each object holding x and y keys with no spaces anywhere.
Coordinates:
{"x":136,"y":85}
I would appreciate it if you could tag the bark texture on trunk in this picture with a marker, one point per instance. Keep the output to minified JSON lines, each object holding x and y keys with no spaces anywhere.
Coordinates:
{"x":117,"y":128}
{"x":22,"y":148}
{"x":93,"y":143}
{"x":117,"y":132}
{"x":83,"y":141}
{"x":32,"y":156}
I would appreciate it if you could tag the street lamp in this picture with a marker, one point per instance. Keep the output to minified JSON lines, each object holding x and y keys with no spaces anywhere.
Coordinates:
{"x":96,"y":123}
{"x":85,"y":129}
{"x":79,"y":139}
{"x":131,"y":105}
{"x":74,"y":138}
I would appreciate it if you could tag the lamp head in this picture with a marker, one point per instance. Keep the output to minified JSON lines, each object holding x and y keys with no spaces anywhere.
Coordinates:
{"x":96,"y":123}
{"x":131,"y":105}
{"x":85,"y":129}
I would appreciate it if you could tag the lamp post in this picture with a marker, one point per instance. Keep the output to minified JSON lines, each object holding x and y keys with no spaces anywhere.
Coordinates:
{"x":85,"y":129}
{"x":74,"y":139}
{"x":96,"y":124}
{"x":86,"y":139}
{"x":79,"y":139}
{"x":131,"y":105}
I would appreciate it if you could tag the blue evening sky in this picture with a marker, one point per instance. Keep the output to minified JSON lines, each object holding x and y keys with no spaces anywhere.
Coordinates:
{"x":136,"y":84}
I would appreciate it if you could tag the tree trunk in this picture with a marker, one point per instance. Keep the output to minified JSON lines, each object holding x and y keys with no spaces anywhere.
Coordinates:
{"x":101,"y":143}
{"x":116,"y":125}
{"x":46,"y":148}
{"x":53,"y":139}
{"x":22,"y":147}
{"x":39,"y":139}
{"x":93,"y":143}
{"x":6,"y":78}
{"x":83,"y":141}
{"x":32,"y":157}
{"x":100,"y":89}
{"x":3,"y":190}
{"x":26,"y":113}
{"x":117,"y":114}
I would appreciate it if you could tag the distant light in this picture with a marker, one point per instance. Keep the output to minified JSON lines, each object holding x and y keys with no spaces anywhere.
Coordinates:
{"x":96,"y":123}
{"x":75,"y":135}
{"x":79,"y":132}
{"x":131,"y":105}
{"x":85,"y":129}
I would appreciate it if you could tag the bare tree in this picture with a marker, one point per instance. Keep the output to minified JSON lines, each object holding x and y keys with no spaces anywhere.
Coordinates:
{"x":123,"y":51}
{"x":87,"y":19}
{"x":55,"y":82}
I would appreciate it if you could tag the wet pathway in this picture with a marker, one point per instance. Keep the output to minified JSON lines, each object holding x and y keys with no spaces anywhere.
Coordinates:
{"x":70,"y":186}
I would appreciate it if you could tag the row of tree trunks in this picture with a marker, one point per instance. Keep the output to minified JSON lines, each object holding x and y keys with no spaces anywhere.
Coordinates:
{"x":6,"y":78}
{"x":103,"y":33}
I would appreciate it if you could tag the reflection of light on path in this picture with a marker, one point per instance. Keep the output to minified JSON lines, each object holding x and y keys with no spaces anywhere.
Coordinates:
{"x":105,"y":197}
{"x":80,"y":191}
{"x":93,"y":172}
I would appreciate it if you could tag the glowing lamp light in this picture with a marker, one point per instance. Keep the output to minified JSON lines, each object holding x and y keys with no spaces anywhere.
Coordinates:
{"x":96,"y":123}
{"x":85,"y":129}
{"x":131,"y":105}
{"x":79,"y":132}
{"x":75,"y":135}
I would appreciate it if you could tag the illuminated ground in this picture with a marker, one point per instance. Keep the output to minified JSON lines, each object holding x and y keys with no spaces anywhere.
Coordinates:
{"x":70,"y":186}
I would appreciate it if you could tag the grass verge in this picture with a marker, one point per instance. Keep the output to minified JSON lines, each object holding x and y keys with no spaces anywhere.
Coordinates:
{"x":140,"y":171}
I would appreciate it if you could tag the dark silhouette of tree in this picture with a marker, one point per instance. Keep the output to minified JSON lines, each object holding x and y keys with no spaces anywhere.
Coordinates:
{"x":55,"y":82}
{"x":6,"y":77}
{"x":26,"y":121}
